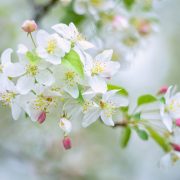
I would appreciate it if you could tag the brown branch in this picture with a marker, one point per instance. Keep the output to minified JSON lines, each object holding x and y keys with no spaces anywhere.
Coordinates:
{"x":120,"y":124}
{"x":42,"y":10}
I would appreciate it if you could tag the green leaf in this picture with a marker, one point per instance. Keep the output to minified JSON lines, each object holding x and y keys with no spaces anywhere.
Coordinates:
{"x":32,"y":57}
{"x":121,"y":90}
{"x":73,"y":61}
{"x":142,"y":134}
{"x":159,"y":139}
{"x":145,"y":99}
{"x":125,"y":136}
{"x":129,"y":3}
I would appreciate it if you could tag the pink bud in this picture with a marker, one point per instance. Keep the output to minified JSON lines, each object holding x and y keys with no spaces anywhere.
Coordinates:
{"x":42,"y":117}
{"x":144,"y":27}
{"x":176,"y":147}
{"x":29,"y":26}
{"x":163,"y":90}
{"x":178,"y":122}
{"x":67,"y":142}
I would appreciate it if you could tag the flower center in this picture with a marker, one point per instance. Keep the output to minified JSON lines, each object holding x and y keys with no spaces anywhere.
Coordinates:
{"x":6,"y":97}
{"x":42,"y":102}
{"x":70,"y":77}
{"x":32,"y":69}
{"x":52,"y":44}
{"x":98,"y":68}
{"x":87,"y":105}
{"x":108,"y":108}
{"x":174,"y":106}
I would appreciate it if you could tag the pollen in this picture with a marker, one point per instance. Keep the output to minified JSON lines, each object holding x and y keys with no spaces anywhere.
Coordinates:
{"x":87,"y":105}
{"x":42,"y":102}
{"x":97,"y":68}
{"x":6,"y":97}
{"x":70,"y":77}
{"x":32,"y":69}
{"x":52,"y":44}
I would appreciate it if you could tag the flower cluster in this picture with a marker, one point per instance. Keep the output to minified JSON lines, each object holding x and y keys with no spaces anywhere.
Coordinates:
{"x":60,"y":77}
{"x":111,"y":20}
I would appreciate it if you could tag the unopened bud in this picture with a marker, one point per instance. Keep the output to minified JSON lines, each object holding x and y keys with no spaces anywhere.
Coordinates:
{"x":42,"y":117}
{"x":163,"y":90}
{"x":176,"y":147}
{"x":144,"y":27}
{"x":29,"y":26}
{"x":67,"y":142}
{"x":178,"y":122}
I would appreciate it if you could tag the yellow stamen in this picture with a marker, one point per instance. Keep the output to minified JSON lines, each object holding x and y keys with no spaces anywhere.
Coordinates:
{"x":32,"y":69}
{"x":98,"y":68}
{"x":52,"y":44}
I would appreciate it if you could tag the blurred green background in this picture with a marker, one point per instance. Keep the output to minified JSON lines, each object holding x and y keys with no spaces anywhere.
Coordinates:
{"x":31,"y":151}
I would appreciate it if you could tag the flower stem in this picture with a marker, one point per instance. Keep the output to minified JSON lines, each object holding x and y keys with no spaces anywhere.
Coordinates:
{"x":32,"y":40}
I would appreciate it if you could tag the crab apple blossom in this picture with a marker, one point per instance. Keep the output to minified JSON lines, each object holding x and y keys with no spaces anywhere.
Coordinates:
{"x":29,"y":26}
{"x":171,"y":109}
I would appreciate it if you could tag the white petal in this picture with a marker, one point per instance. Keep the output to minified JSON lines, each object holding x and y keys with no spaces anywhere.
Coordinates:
{"x":65,"y":125}
{"x":168,"y":122}
{"x":119,"y":100}
{"x":108,"y":94}
{"x":63,"y":30}
{"x":104,"y":56}
{"x":111,"y":68}
{"x":53,"y":59}
{"x":41,"y":52}
{"x":41,"y":38}
{"x":14,"y":70}
{"x":107,"y":120}
{"x":16,"y":111}
{"x":22,"y":49}
{"x":72,"y":90}
{"x":85,"y":44}
{"x":90,"y":117}
{"x":45,"y":77}
{"x":6,"y":84}
{"x":98,"y":84}
{"x":25,"y":84}
{"x":6,"y":56}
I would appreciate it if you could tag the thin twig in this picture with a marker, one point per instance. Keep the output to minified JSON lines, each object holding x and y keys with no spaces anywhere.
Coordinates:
{"x":42,"y":10}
